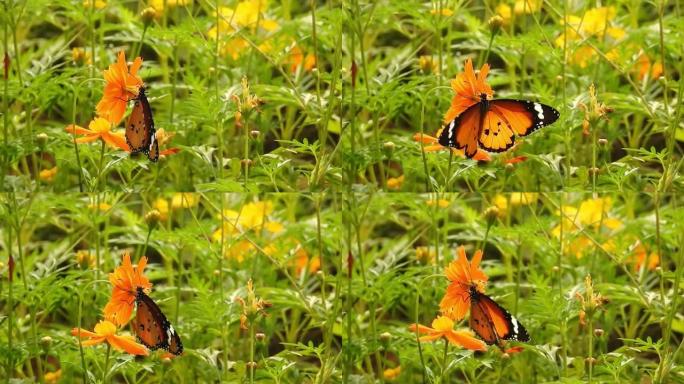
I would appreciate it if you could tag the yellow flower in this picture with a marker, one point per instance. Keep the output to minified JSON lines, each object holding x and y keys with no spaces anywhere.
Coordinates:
{"x":591,"y":215}
{"x":162,"y":206}
{"x":184,"y":200}
{"x":521,"y":7}
{"x":595,"y":23}
{"x":85,"y":259}
{"x":52,"y":377}
{"x":97,"y":4}
{"x":239,"y":251}
{"x":395,"y":182}
{"x":158,"y":5}
{"x":427,"y":64}
{"x":445,"y":12}
{"x":99,"y":128}
{"x":80,"y":56}
{"x":246,"y":14}
{"x":105,"y":331}
{"x":513,"y":200}
{"x":104,"y":207}
{"x":442,"y":203}
{"x":391,"y":373}
{"x":48,"y":174}
{"x":425,"y":255}
{"x":443,"y":327}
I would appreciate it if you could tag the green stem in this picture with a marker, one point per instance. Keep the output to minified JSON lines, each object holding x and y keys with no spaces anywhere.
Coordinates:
{"x":251,"y":352}
{"x":106,"y":365}
{"x":445,"y":378}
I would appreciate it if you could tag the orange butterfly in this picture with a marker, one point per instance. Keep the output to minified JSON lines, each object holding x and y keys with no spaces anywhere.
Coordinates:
{"x":152,"y":327}
{"x":493,"y":124}
{"x":140,"y":132}
{"x":492,"y":322}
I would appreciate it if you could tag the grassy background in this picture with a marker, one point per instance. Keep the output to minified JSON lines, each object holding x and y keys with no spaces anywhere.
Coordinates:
{"x":332,"y":149}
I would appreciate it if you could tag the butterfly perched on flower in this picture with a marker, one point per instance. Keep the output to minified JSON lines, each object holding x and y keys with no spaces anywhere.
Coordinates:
{"x":492,"y":322}
{"x":140,"y":132}
{"x":476,"y":120}
{"x":152,"y":327}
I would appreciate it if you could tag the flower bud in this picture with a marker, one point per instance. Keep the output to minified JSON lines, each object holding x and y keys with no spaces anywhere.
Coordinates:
{"x":153,"y":217}
{"x":260,"y":336}
{"x":42,"y":139}
{"x":495,"y":23}
{"x":385,"y":337}
{"x":590,"y":360}
{"x":251,"y":364}
{"x":491,"y":214}
{"x":148,"y":15}
{"x":598,"y":332}
{"x":602,"y":141}
{"x":46,"y":342}
{"x":254,"y":134}
{"x":246,"y":163}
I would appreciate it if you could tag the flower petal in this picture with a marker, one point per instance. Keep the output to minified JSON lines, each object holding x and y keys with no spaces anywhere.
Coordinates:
{"x":127,"y":344}
{"x":466,"y":340}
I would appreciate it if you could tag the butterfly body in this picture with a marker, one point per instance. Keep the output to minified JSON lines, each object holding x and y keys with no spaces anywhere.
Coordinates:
{"x":493,"y":124}
{"x":492,"y":322}
{"x":140,"y":131}
{"x":152,"y":327}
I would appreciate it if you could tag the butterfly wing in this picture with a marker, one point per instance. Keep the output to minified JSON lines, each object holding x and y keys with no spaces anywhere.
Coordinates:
{"x":523,"y":116}
{"x":492,"y":322}
{"x":462,"y":132}
{"x":152,"y":327}
{"x":495,"y":124}
{"x":140,"y":125}
{"x":153,"y":153}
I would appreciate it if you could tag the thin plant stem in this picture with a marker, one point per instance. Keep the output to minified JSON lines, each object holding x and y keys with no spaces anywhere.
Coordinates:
{"x":106,"y":364}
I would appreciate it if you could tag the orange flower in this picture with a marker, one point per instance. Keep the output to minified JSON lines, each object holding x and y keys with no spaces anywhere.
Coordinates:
{"x":106,"y":331}
{"x":443,"y":326}
{"x":125,"y":283}
{"x":469,"y":89}
{"x":297,"y":59}
{"x":121,"y":87}
{"x":640,"y":258}
{"x":480,"y":155}
{"x":99,"y":128}
{"x":463,"y":275}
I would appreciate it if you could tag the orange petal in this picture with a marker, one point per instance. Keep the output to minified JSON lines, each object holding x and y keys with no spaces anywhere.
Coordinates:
{"x":83,"y":333}
{"x":466,"y":340}
{"x":93,"y":341}
{"x":169,"y":151}
{"x":432,"y":337}
{"x":127,"y":343}
{"x":72,"y":128}
{"x":423,"y":138}
{"x":116,"y":140}
{"x":87,"y":139}
{"x":420,"y":328}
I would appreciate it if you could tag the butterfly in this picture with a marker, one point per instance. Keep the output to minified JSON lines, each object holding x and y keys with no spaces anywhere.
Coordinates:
{"x":492,"y":322}
{"x":152,"y":327}
{"x":140,"y":132}
{"x":493,"y":124}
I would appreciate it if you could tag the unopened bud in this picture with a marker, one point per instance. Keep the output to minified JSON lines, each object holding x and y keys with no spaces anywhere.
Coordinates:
{"x":495,"y":23}
{"x":491,"y":213}
{"x":153,"y":217}
{"x":148,"y":15}
{"x":251,"y":364}
{"x":590,"y":360}
{"x":602,"y":141}
{"x":385,"y":337}
{"x":46,"y":342}
{"x":254,"y":134}
{"x":259,"y":336}
{"x":246,"y":163}
{"x":598,"y":332}
{"x":42,"y":139}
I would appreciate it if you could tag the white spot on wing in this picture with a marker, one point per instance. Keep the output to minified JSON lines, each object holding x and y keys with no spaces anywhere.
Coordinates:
{"x":540,"y":111}
{"x":451,"y":129}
